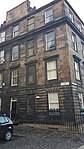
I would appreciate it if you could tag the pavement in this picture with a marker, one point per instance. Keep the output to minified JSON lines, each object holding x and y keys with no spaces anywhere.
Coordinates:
{"x":82,"y":147}
{"x":32,"y":138}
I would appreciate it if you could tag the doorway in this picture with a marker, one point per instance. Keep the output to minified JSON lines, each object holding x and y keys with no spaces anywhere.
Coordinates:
{"x":13,"y":108}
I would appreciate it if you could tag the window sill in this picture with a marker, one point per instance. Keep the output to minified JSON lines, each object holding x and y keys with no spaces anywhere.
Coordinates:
{"x":14,"y":85}
{"x":54,"y":113}
{"x":30,"y":56}
{"x":49,"y":22}
{"x":53,"y":81}
{"x":31,"y":84}
{"x":50,"y":49}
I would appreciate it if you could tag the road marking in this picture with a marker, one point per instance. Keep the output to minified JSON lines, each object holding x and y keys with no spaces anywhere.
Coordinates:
{"x":81,"y":147}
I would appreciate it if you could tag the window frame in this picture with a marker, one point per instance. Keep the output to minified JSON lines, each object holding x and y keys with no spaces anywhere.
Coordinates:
{"x":74,"y":42}
{"x":1,"y":84}
{"x":2,"y":57}
{"x":30,"y":104}
{"x":2,"y":37}
{"x":13,"y":53}
{"x":82,"y":48}
{"x":30,"y":48}
{"x":15,"y":31}
{"x":56,"y":76}
{"x":14,"y":77}
{"x":71,"y":16}
{"x":55,"y":103}
{"x":47,"y":41}
{"x":31,"y":24}
{"x":79,"y":25}
{"x":33,"y":75}
{"x":81,"y":100}
{"x":0,"y":104}
{"x":77,"y":70}
{"x":49,"y":16}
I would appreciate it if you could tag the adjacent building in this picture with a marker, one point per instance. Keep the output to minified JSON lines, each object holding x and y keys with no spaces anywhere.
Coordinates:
{"x":42,"y":63}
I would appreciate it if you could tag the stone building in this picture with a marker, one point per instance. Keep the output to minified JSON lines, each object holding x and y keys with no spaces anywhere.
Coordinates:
{"x":42,"y":63}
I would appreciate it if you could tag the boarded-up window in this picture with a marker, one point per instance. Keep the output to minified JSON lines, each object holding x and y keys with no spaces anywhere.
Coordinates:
{"x":31,"y":104}
{"x":31,"y":24}
{"x":31,"y":74}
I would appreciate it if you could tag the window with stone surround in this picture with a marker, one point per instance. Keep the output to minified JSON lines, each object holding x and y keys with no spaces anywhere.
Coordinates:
{"x":79,"y":25}
{"x":71,"y":16}
{"x":15,"y":30}
{"x":82,"y":47}
{"x":31,"y":24}
{"x":81,"y":100}
{"x":15,"y":52}
{"x":77,"y":70}
{"x":14,"y":77}
{"x":50,"y":40}
{"x":74,"y":42}
{"x":30,"y":47}
{"x":53,"y":103}
{"x":2,"y":36}
{"x":31,"y":105}
{"x":1,"y":80}
{"x":2,"y":57}
{"x":0,"y":104}
{"x":51,"y":70}
{"x":49,"y":15}
{"x":31,"y":74}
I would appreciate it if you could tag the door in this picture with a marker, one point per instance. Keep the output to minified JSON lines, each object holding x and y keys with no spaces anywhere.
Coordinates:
{"x":13,"y":106}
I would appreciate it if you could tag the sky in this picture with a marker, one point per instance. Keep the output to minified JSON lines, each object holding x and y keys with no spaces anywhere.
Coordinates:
{"x":6,"y":5}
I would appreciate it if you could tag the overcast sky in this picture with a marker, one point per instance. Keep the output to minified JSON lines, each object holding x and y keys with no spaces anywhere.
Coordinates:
{"x":6,"y":5}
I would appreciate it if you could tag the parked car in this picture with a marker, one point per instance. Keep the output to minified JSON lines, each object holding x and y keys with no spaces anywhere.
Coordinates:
{"x":6,"y":128}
